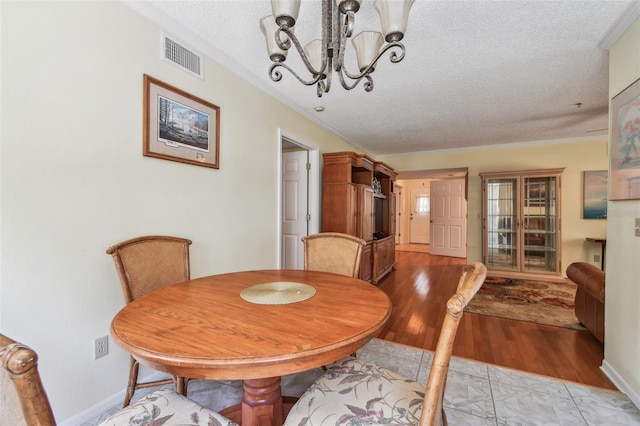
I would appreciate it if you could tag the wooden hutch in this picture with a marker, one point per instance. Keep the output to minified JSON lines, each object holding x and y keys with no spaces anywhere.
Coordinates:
{"x":352,"y":204}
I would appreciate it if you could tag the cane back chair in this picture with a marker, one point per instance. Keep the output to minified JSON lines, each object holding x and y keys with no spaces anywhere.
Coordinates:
{"x":145,"y":264}
{"x":352,"y":387}
{"x":333,"y":252}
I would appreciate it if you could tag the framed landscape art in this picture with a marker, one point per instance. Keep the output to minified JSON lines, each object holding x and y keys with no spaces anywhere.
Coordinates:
{"x":625,"y":144}
{"x":179,"y":126}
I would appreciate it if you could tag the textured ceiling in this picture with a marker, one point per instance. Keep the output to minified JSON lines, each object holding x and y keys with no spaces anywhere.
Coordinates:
{"x":475,"y":73}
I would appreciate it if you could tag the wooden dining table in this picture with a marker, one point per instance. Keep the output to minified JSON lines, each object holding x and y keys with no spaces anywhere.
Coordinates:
{"x":255,"y":326}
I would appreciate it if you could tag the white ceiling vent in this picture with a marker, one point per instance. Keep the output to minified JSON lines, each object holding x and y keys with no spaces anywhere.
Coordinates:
{"x":186,"y":59}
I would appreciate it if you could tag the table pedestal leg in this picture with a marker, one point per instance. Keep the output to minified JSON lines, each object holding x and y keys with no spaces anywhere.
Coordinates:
{"x":181,"y":385}
{"x":262,"y":402}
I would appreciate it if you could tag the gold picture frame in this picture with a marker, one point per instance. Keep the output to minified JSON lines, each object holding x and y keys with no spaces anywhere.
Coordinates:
{"x":179,"y":126}
{"x":624,"y":179}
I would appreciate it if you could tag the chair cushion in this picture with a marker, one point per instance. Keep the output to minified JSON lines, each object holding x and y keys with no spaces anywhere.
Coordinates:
{"x":354,"y":392}
{"x":166,"y":407}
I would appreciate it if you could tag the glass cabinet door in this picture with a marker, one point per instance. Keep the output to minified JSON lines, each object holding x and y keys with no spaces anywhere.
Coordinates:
{"x":539,"y":223}
{"x":521,"y":231}
{"x":501,"y":223}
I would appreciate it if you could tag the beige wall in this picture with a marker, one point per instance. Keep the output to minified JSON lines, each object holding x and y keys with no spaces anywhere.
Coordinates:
{"x":622,"y":316}
{"x":74,"y":181}
{"x":575,"y":157}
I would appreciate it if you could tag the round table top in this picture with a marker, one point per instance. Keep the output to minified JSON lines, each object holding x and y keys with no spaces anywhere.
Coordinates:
{"x":203,"y":328}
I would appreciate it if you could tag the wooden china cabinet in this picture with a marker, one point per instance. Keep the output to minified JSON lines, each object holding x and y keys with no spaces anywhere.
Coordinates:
{"x":521,"y":222}
{"x":358,"y":199}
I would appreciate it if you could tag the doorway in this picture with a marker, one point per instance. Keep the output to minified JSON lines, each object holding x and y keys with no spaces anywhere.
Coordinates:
{"x":422,"y":179}
{"x":299,"y":198}
{"x":419,"y":215}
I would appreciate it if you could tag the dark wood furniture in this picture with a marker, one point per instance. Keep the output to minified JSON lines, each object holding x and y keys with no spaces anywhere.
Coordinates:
{"x":204,"y":329}
{"x":358,"y":199}
{"x":145,"y":264}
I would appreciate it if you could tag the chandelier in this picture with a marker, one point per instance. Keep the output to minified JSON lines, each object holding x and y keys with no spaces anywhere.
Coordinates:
{"x":322,"y":57}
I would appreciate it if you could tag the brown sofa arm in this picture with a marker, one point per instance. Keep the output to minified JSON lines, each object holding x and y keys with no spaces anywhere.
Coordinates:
{"x":589,"y":301}
{"x":587,"y":277}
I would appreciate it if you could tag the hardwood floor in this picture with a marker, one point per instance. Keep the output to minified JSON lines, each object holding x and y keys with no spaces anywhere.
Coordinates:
{"x":421,"y":284}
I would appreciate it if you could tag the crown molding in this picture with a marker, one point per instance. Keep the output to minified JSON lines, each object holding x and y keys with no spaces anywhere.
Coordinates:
{"x":601,"y":138}
{"x":615,"y":32}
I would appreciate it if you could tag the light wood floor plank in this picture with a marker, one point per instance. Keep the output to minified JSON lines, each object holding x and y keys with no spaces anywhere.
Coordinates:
{"x":418,"y":289}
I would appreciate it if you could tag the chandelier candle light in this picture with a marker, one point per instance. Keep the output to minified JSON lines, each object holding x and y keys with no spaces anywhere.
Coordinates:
{"x":322,"y":57}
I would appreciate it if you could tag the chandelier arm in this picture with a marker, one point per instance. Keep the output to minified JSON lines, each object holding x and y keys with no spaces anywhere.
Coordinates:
{"x":394,"y":57}
{"x":327,"y":84}
{"x":322,"y":88}
{"x":276,"y":75}
{"x":368,"y":85}
{"x":286,"y":45}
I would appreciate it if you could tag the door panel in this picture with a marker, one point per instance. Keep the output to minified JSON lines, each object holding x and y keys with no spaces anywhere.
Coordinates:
{"x":294,"y":208}
{"x":449,"y":218}
{"x":367,"y":215}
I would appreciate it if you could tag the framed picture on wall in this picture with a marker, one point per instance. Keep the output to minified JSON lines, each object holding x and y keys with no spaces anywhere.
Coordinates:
{"x":625,"y":144}
{"x":594,"y":195}
{"x":179,"y":126}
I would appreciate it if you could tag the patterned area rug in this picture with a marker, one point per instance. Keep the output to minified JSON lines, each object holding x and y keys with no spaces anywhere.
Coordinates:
{"x":525,"y":300}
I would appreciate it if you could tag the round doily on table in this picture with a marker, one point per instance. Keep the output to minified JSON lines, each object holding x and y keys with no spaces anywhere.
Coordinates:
{"x":277,"y":293}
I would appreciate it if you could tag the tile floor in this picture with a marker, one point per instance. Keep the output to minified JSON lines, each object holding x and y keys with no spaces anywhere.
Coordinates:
{"x":476,"y":394}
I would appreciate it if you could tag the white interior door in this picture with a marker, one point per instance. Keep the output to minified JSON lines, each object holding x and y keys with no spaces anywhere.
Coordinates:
{"x":294,"y":208}
{"x":448,"y":218}
{"x":419,"y":215}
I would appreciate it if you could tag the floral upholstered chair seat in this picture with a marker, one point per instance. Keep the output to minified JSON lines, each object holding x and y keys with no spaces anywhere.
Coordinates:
{"x":356,"y":392}
{"x":165,"y":407}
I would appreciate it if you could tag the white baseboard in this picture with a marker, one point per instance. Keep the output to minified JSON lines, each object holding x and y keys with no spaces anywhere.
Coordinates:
{"x":93,"y":413}
{"x":620,"y":383}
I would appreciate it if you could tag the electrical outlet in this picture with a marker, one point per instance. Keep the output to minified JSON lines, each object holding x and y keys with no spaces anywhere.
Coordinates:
{"x":101,"y":346}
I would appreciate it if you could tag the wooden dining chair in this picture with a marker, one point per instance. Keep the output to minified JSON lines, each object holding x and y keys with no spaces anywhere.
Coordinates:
{"x":333,"y":252}
{"x":22,"y":395}
{"x":23,"y":399}
{"x":353,"y":390}
{"x":145,"y":264}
